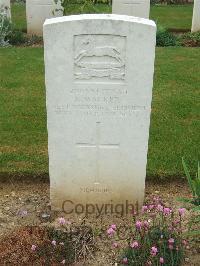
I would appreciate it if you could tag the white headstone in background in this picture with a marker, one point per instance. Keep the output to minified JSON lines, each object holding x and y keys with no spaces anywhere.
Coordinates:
{"x":196,"y":16}
{"x":99,"y":78}
{"x":136,"y":8}
{"x":5,"y":8}
{"x":39,"y":10}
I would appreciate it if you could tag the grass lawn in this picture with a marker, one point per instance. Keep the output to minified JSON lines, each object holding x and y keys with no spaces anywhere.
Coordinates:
{"x":173,"y":17}
{"x":177,"y":17}
{"x":174,"y":125}
{"x":19,"y":16}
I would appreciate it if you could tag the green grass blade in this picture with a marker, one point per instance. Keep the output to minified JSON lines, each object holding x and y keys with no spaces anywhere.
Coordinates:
{"x":188,"y":177}
{"x":184,"y":200}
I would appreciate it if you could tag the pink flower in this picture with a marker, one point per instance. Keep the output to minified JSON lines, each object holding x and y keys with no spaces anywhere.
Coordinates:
{"x":134,"y":212}
{"x":184,"y":242}
{"x":61,"y":221}
{"x":160,"y":208}
{"x":171,"y":228}
{"x":135,"y":244}
{"x":110,"y":231}
{"x":156,"y":199}
{"x":146,"y":224}
{"x":161,"y":260}
{"x":138,"y":225}
{"x":181,"y":211}
{"x":167,"y":211}
{"x":154,"y":251}
{"x":125,"y":261}
{"x":53,"y":243}
{"x":152,"y":215}
{"x":171,"y":247}
{"x":171,"y":241}
{"x":176,"y":221}
{"x":63,"y":262}
{"x":151,"y":206}
{"x":33,"y":247}
{"x":115,"y":245}
{"x":144,"y":208}
{"x":113,"y":226}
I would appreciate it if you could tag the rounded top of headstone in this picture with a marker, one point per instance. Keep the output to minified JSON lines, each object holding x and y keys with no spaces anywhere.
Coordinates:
{"x":112,"y":17}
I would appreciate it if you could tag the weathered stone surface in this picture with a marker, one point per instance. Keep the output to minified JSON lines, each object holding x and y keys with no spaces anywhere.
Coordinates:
{"x":136,"y":8}
{"x":99,"y":78}
{"x":37,"y":11}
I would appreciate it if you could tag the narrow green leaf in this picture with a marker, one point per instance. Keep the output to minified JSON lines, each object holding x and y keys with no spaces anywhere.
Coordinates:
{"x":188,"y":177}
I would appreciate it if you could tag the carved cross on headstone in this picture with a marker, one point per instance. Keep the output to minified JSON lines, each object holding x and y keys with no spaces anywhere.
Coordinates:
{"x":98,"y":145}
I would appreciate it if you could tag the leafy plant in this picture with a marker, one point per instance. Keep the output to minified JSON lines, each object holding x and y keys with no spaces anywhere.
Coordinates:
{"x":155,"y":238}
{"x":33,"y":40}
{"x":194,"y":183}
{"x":165,"y":38}
{"x":154,"y":2}
{"x":5,"y":29}
{"x":190,"y":39}
{"x":71,"y":7}
{"x":16,"y":37}
{"x":8,"y":35}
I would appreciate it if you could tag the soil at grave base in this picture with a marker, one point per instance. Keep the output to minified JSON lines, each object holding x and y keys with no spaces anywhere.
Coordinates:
{"x":19,"y":232}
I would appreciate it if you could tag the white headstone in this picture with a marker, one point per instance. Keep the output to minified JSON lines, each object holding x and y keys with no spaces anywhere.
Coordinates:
{"x":5,"y":8}
{"x":136,"y":8}
{"x":99,"y":78}
{"x":196,"y":16}
{"x":39,"y":10}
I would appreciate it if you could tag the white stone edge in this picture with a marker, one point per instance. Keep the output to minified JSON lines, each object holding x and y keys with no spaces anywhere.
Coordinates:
{"x":112,"y":17}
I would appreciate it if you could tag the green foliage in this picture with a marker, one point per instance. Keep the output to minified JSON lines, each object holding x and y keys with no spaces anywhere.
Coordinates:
{"x":154,"y":2}
{"x":180,"y":15}
{"x":156,"y":234}
{"x":141,"y":256}
{"x":169,"y":2}
{"x":194,"y":183}
{"x":174,"y":128}
{"x":34,"y":40}
{"x":78,"y":6}
{"x":190,"y":39}
{"x":177,"y":17}
{"x":16,"y":37}
{"x":8,"y":35}
{"x":74,"y":7}
{"x":5,"y":29}
{"x":165,"y":38}
{"x":102,"y":1}
{"x":18,"y":11}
